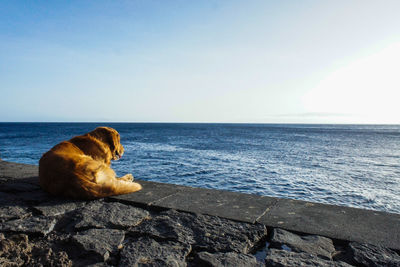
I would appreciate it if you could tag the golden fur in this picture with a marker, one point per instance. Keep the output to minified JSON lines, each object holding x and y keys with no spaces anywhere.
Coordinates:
{"x":80,"y":168}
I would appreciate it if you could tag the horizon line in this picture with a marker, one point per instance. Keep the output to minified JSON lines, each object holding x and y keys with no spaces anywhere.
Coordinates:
{"x":171,"y":122}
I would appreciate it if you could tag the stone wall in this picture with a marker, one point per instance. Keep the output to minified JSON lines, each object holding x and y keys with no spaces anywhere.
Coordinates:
{"x":39,"y":230}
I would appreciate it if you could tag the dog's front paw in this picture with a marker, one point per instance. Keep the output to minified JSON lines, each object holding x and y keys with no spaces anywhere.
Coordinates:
{"x":127,"y":177}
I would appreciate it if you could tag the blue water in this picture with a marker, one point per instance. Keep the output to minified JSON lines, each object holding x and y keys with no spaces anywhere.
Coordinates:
{"x":351,"y":165}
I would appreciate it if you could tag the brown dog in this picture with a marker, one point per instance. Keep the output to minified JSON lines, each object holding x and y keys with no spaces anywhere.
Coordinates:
{"x":80,"y":168}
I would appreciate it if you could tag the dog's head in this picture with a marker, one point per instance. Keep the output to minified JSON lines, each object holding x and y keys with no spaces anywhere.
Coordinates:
{"x":111,"y":138}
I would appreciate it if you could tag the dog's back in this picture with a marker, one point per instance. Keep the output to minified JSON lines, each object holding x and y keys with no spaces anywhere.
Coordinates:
{"x":62,"y":169}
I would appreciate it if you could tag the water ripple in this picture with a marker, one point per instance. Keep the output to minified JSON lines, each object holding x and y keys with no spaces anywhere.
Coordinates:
{"x":351,"y":165}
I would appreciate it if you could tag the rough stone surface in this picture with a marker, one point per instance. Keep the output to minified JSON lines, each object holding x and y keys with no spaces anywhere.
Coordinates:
{"x":34,"y":197}
{"x":101,"y":242}
{"x":22,"y":198}
{"x":17,"y":250}
{"x":370,"y":255}
{"x":33,"y":225}
{"x":57,"y":207}
{"x":100,"y":214}
{"x":19,"y":186}
{"x":13,"y":212}
{"x":98,"y":264}
{"x":150,"y":193}
{"x":7,"y":198}
{"x":345,"y":223}
{"x":227,"y":259}
{"x":226,"y":204}
{"x":17,"y":192}
{"x":282,"y":258}
{"x":17,"y":171}
{"x":316,"y":245}
{"x":204,"y":232}
{"x":149,"y":252}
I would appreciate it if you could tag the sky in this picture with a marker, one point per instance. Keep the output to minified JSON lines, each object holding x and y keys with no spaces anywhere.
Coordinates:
{"x":200,"y":61}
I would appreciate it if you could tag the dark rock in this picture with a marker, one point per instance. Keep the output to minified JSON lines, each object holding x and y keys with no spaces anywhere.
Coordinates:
{"x":17,"y":171}
{"x":110,"y":215}
{"x":204,"y":232}
{"x":283,"y":258}
{"x":24,"y":198}
{"x":19,"y":193}
{"x":230,"y":205}
{"x":14,"y":250}
{"x":11,"y":199}
{"x":12,"y":208}
{"x":168,"y":225}
{"x":147,"y":252}
{"x":7,"y":199}
{"x":98,"y":264}
{"x":35,"y":197}
{"x":17,"y":250}
{"x":370,"y":255}
{"x":343,"y":223}
{"x":227,"y":259}
{"x":313,"y":244}
{"x":19,"y":187}
{"x":343,"y":253}
{"x":13,"y":212}
{"x":101,"y":242}
{"x":47,"y":257}
{"x":151,"y":192}
{"x":34,"y":225}
{"x":58,"y":207}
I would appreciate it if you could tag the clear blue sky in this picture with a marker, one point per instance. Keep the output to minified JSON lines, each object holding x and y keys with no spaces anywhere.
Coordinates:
{"x":200,"y":61}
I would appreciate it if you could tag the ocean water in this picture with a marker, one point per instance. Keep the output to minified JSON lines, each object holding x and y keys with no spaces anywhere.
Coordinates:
{"x":350,"y":165}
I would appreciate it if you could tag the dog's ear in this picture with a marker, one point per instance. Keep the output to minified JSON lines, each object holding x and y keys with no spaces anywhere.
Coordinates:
{"x":108,"y":136}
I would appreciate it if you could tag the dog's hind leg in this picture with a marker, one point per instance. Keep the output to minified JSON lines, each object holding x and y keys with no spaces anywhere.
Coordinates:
{"x":108,"y":184}
{"x":125,"y":187}
{"x":127,"y":177}
{"x":105,"y":184}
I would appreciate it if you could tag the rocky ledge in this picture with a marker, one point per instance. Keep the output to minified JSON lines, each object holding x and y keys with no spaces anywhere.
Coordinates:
{"x":39,"y":230}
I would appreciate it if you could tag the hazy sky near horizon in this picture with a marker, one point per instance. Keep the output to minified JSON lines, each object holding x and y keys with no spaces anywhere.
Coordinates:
{"x":200,"y":61}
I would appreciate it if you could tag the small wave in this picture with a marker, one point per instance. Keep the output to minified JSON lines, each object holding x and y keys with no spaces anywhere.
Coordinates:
{"x":150,"y":147}
{"x":202,"y":172}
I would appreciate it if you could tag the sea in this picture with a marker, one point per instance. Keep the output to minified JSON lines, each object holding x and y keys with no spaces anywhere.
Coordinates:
{"x":349,"y":165}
